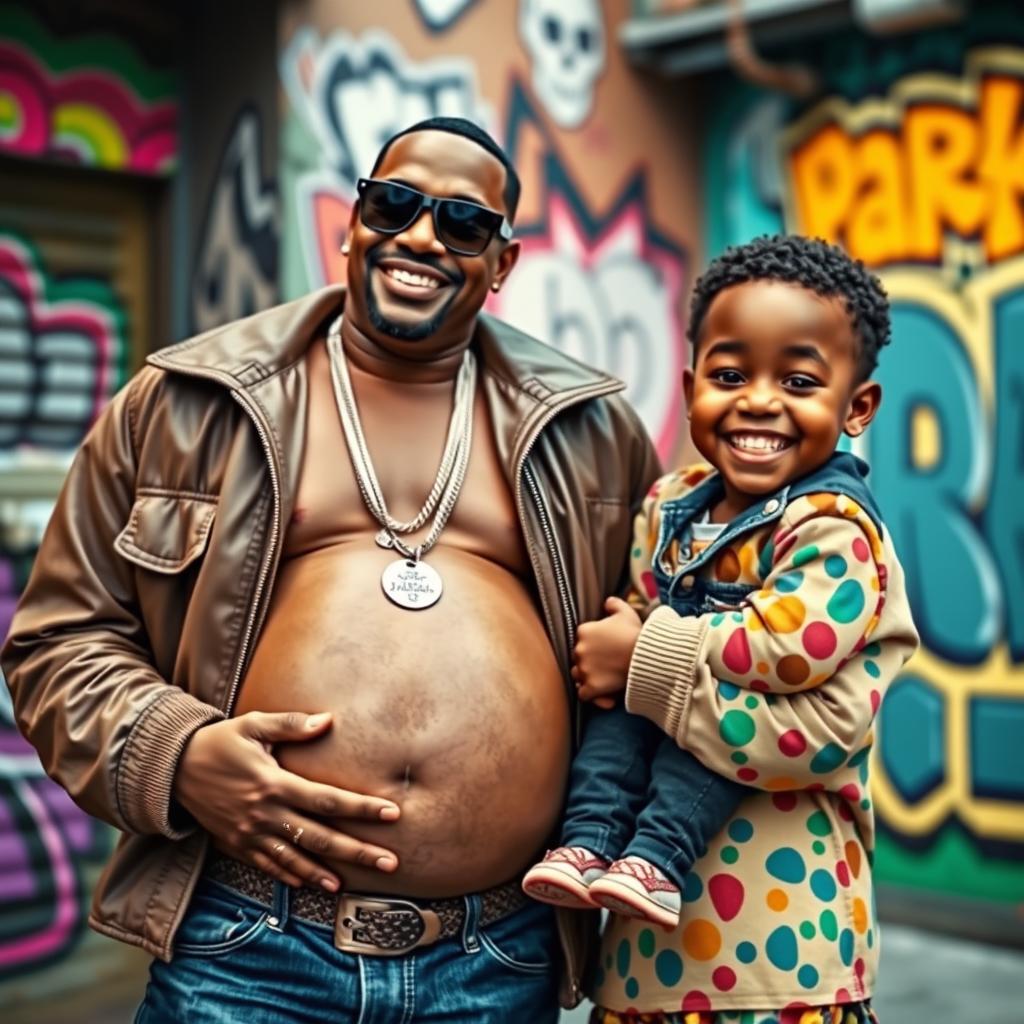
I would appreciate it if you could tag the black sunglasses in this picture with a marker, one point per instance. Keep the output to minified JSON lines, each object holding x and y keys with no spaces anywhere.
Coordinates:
{"x":461,"y":226}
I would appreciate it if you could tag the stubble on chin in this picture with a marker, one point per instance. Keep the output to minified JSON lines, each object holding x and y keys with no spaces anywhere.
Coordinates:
{"x":403,"y":331}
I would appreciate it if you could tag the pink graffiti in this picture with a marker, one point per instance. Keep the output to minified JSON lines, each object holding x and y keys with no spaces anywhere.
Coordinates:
{"x":18,"y":270}
{"x":112,"y":127}
{"x":619,"y":279}
{"x":55,"y":934}
{"x":43,"y":838}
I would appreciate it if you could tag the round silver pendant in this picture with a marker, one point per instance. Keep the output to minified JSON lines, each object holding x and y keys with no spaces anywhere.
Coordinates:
{"x":412,"y":585}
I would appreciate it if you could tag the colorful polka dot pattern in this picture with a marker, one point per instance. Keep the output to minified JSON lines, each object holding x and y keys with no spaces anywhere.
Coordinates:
{"x":844,"y":1013}
{"x":780,"y":900}
{"x":779,"y":911}
{"x":809,"y":617}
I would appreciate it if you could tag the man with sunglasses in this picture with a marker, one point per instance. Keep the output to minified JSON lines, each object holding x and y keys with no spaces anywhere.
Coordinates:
{"x":301,"y":627}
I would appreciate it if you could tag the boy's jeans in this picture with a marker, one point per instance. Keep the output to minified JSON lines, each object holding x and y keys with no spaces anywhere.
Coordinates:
{"x":237,"y":961}
{"x":633,"y":791}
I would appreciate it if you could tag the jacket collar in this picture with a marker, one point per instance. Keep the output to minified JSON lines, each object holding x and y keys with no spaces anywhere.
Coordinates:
{"x":245,"y":352}
{"x":843,"y":473}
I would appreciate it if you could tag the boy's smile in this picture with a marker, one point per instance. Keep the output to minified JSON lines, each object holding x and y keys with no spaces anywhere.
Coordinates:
{"x":774,"y":385}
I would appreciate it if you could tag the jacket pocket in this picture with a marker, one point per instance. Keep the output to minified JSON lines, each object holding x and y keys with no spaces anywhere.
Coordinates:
{"x":167,"y":530}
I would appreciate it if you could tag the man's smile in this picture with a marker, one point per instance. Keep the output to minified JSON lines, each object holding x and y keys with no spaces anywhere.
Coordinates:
{"x":411,"y":280}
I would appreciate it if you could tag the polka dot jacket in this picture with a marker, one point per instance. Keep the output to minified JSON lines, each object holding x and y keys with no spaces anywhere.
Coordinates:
{"x":779,"y":691}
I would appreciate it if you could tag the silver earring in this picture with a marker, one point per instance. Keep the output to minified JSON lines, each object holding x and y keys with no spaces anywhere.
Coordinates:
{"x":495,"y":286}
{"x":344,"y":248}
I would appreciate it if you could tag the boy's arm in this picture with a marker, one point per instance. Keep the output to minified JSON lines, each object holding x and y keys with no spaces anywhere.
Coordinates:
{"x":746,"y":691}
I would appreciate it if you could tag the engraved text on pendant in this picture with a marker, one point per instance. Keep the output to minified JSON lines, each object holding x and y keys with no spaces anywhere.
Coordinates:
{"x":410,"y":584}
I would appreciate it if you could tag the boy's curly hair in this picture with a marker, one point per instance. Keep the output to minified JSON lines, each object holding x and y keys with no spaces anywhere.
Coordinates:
{"x":811,"y":263}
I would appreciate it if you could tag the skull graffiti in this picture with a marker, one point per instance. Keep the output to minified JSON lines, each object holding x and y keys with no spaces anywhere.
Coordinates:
{"x":566,"y":44}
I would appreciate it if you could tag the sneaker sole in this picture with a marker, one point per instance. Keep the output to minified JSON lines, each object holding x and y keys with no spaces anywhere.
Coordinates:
{"x":620,"y":898}
{"x":549,"y":885}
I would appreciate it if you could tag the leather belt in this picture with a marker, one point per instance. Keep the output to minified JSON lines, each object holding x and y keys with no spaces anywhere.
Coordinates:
{"x":366,"y":924}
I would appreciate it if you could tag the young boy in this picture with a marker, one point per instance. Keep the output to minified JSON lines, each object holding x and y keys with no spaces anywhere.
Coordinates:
{"x":773,"y":617}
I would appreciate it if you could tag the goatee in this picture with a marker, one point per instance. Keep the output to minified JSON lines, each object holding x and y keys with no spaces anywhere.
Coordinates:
{"x":397,"y":329}
{"x":402,"y":331}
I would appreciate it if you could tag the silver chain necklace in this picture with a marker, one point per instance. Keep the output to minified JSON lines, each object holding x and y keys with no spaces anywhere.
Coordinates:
{"x":408,"y":582}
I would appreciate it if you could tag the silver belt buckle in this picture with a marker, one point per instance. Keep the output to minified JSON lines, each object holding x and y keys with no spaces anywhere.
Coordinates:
{"x":361,"y":924}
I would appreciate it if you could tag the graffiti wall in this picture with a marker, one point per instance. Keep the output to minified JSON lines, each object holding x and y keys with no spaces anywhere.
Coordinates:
{"x":914,"y":162}
{"x":234,"y":217}
{"x":609,"y":212}
{"x":235,"y":271}
{"x":86,"y":100}
{"x":63,"y":353}
{"x":73,"y":303}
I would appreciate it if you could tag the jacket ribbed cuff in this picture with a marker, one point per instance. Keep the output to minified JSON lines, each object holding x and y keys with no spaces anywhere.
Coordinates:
{"x":663,"y":669}
{"x":149,"y":762}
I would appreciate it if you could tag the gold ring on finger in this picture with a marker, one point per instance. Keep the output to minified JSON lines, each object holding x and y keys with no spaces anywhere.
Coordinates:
{"x":298,"y":835}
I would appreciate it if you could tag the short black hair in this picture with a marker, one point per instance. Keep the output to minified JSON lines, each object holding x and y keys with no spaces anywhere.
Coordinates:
{"x":812,"y":263}
{"x":468,"y":130}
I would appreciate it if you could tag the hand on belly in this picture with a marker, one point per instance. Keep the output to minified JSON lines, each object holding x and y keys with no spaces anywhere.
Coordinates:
{"x":261,"y":814}
{"x":475,"y":809}
{"x":457,"y":713}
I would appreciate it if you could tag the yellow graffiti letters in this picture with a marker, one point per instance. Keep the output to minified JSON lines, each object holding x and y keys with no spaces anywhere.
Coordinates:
{"x":891,"y":180}
{"x":1001,"y":167}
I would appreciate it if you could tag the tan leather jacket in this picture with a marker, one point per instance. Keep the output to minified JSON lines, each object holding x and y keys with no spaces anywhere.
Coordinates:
{"x":153,"y":578}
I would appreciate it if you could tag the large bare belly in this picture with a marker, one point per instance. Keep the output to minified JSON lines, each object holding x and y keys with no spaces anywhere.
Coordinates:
{"x":457,"y":713}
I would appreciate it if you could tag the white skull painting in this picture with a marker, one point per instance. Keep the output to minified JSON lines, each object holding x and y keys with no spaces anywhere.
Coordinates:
{"x":566,"y":44}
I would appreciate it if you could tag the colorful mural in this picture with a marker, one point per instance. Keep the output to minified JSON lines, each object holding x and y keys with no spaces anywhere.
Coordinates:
{"x":48,"y":844}
{"x":86,"y":100}
{"x":63,"y":353}
{"x":919,"y":172}
{"x":440,"y":15}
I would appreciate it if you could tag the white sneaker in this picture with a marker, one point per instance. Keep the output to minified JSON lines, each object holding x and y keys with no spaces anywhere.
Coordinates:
{"x":636,"y":888}
{"x":564,"y":876}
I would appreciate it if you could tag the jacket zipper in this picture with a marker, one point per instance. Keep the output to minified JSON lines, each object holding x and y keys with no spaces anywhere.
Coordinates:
{"x":568,"y":609}
{"x":568,"y":606}
{"x":257,"y":612}
{"x":565,"y":596}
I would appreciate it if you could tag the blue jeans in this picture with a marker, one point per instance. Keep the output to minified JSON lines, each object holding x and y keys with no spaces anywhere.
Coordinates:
{"x":237,"y":961}
{"x":632,"y":791}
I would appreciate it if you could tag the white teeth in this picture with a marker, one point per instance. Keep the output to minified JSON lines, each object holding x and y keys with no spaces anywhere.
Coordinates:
{"x":759,"y":442}
{"x":418,"y":280}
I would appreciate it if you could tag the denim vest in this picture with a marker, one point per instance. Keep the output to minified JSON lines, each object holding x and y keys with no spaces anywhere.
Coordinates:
{"x":685,"y":591}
